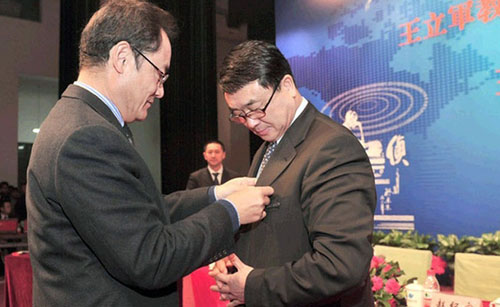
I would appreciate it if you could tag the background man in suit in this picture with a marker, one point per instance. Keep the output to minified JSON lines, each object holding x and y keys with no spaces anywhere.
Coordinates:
{"x":100,"y":232}
{"x":313,"y":248}
{"x":214,"y":153}
{"x":5,"y":209}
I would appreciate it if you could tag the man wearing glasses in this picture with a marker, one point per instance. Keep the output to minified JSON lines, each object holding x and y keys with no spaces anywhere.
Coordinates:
{"x":314,"y":246}
{"x":100,"y":233}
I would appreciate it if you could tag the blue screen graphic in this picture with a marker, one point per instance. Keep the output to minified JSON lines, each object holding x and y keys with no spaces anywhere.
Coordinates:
{"x":418,"y":82}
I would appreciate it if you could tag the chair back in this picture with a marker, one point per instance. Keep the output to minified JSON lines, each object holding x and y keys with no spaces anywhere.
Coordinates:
{"x":8,"y":225}
{"x":477,"y":275}
{"x":413,"y":262}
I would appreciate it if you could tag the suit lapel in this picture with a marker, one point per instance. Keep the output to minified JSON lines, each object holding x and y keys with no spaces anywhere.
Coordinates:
{"x":208,"y":177}
{"x":225,"y":176}
{"x":254,"y":167}
{"x":81,"y":94}
{"x":281,"y":157}
{"x":285,"y":152}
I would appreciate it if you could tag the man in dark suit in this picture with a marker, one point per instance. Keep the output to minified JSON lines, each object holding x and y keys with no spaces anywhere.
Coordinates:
{"x":214,"y":153}
{"x":313,"y":248}
{"x":100,"y":232}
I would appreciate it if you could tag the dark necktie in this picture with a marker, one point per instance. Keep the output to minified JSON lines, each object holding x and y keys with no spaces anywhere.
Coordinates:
{"x":216,"y":181}
{"x":128,"y":134}
{"x":267,"y":156}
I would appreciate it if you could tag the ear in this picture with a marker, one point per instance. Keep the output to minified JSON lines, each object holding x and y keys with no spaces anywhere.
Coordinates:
{"x":287,"y":83}
{"x":121,"y":56}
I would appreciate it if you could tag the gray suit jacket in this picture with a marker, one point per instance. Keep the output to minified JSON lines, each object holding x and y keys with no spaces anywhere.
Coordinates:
{"x":202,"y":178}
{"x":100,"y":232}
{"x":313,"y":248}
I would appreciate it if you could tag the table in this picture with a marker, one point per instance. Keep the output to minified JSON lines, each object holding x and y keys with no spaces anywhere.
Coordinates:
{"x":13,"y":240}
{"x":18,"y":280}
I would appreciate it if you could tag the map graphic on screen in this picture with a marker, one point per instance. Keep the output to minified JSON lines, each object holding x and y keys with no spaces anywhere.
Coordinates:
{"x":417,"y":82}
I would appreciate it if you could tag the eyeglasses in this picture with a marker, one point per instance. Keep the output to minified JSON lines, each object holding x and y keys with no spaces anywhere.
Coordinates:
{"x":163,"y":75}
{"x":241,"y":117}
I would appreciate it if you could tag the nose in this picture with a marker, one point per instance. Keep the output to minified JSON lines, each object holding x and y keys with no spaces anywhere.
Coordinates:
{"x":159,"y":90}
{"x":251,"y":123}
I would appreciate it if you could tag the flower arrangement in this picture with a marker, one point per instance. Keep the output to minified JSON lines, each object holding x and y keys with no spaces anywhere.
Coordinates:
{"x":387,"y":291}
{"x":438,"y":266}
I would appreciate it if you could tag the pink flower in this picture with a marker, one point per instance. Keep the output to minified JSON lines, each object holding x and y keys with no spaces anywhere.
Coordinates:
{"x":387,"y":268}
{"x":392,"y":286}
{"x":376,"y":262}
{"x":438,"y":265}
{"x":377,"y":283}
{"x":393,"y":303}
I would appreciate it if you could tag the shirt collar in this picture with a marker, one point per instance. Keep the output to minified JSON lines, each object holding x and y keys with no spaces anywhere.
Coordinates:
{"x":300,"y":109}
{"x":104,"y":99}
{"x":212,"y":171}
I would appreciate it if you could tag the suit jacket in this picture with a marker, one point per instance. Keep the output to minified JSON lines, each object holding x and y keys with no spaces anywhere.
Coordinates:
{"x":203,"y":178}
{"x":100,"y":233}
{"x":313,"y":248}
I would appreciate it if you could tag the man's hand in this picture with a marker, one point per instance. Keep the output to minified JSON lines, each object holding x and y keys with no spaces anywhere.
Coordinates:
{"x":220,"y":267}
{"x":231,"y":286}
{"x":250,"y":203}
{"x":233,"y":185}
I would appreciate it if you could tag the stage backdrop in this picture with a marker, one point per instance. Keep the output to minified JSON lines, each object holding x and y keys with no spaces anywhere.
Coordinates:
{"x":418,"y":83}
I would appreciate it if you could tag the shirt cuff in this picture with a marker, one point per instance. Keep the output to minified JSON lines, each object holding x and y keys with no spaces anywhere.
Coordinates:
{"x":230,"y":207}
{"x":233,"y":213}
{"x":211,"y":194}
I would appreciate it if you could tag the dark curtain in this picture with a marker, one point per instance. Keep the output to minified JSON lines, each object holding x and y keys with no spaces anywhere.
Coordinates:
{"x":74,"y":17}
{"x":189,"y":108}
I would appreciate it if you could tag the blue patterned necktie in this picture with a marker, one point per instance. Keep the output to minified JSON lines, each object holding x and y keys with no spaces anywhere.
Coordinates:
{"x":267,"y":156}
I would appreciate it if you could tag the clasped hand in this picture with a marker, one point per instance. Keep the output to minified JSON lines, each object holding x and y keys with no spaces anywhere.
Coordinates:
{"x":231,"y":286}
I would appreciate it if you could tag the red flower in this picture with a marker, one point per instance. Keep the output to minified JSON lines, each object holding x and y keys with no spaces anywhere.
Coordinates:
{"x":392,"y":286}
{"x":387,"y":268}
{"x":438,"y":265}
{"x":376,"y":262}
{"x":393,"y":302}
{"x":377,"y":283}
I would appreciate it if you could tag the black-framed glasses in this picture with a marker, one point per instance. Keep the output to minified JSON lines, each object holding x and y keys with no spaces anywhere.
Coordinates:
{"x":163,"y":75}
{"x":241,"y":117}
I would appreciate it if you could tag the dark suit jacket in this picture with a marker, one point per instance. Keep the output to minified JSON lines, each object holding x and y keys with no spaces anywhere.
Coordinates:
{"x":100,"y":232}
{"x":313,"y":247}
{"x":202,"y":178}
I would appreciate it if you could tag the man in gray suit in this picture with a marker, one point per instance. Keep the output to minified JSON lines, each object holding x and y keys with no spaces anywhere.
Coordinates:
{"x":313,"y":248}
{"x":100,"y":232}
{"x":215,"y":172}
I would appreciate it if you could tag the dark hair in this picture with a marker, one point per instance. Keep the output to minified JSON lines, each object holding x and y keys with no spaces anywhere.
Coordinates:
{"x":136,"y":21}
{"x":253,"y":60}
{"x":214,"y":142}
{"x":4,"y":200}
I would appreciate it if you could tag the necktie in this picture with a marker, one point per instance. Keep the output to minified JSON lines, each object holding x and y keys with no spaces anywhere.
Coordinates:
{"x":216,"y":181}
{"x":128,"y":134}
{"x":267,"y":156}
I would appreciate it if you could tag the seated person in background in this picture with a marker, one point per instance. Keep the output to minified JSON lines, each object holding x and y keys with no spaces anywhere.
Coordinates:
{"x":214,"y":153}
{"x":20,"y":207}
{"x":5,"y":209}
{"x":4,"y":189}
